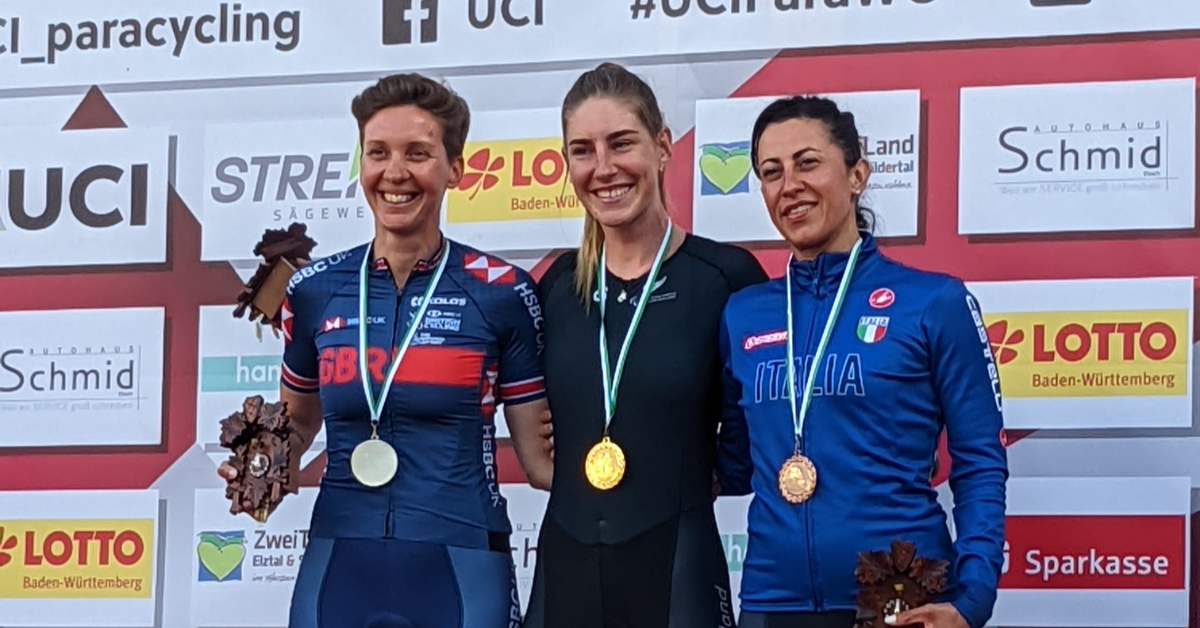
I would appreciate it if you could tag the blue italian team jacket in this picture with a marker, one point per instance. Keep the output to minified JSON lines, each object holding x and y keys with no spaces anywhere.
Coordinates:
{"x":909,"y":356}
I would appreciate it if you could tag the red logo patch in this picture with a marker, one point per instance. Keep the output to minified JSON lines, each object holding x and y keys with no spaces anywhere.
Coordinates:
{"x":337,"y":322}
{"x":764,"y":340}
{"x":487,"y":269}
{"x":882,"y":298}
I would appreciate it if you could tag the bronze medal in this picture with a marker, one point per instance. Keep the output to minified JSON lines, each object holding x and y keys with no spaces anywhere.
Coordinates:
{"x":605,"y":465}
{"x":797,"y":479}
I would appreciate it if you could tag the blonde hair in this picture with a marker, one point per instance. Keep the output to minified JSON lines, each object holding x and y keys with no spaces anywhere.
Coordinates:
{"x":612,"y":81}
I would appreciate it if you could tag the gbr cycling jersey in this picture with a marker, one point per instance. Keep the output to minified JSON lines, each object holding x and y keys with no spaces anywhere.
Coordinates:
{"x":908,"y":356}
{"x":478,"y":344}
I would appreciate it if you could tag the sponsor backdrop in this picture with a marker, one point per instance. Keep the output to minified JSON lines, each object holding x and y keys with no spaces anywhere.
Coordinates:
{"x":1042,"y":150}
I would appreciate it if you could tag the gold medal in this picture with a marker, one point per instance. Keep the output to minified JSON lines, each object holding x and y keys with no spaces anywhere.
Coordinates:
{"x":797,"y":479}
{"x":605,"y":465}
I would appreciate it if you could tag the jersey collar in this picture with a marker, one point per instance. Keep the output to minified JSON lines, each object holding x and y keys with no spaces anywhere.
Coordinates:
{"x":821,"y":276}
{"x":422,"y":265}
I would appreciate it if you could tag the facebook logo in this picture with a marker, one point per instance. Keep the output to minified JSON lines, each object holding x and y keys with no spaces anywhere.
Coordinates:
{"x":402,"y":17}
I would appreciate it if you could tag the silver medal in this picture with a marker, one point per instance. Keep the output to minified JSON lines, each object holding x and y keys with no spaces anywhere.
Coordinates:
{"x":373,"y":462}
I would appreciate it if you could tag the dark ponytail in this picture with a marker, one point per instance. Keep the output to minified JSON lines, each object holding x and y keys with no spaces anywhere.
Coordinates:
{"x":839,"y":124}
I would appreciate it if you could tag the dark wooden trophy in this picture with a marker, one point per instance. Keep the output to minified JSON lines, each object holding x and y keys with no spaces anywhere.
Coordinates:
{"x":283,"y":251}
{"x":895,"y":581}
{"x":259,"y":435}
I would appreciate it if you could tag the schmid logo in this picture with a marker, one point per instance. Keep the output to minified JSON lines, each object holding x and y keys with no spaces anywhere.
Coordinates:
{"x":297,"y":187}
{"x":1107,"y":152}
{"x":1088,"y":552}
{"x":1079,"y":165}
{"x":71,"y":558}
{"x":81,"y":377}
{"x":105,"y":191}
{"x":91,"y":376}
{"x":401,"y":18}
{"x":1091,"y":354}
{"x":513,"y":180}
{"x":724,"y":169}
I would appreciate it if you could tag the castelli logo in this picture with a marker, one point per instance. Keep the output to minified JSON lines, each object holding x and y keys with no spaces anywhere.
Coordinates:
{"x":882,"y":298}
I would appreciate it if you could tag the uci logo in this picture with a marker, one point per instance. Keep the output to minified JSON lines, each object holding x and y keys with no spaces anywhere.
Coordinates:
{"x":99,"y":196}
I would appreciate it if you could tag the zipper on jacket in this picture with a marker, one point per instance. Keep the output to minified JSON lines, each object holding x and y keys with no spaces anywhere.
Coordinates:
{"x":812,"y":571}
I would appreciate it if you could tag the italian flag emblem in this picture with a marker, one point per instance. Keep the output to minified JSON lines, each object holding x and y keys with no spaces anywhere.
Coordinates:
{"x":872,"y":328}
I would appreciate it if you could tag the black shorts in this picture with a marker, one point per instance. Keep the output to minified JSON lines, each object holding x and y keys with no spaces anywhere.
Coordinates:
{"x":835,"y":619}
{"x":389,"y":583}
{"x":673,"y":575}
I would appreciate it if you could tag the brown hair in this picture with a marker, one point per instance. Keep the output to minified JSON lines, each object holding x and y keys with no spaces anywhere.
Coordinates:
{"x":440,"y":101}
{"x":608,"y":80}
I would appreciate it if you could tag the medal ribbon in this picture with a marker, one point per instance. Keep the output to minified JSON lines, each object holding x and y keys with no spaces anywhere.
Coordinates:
{"x":798,"y":417}
{"x":376,"y":404}
{"x":611,"y":383}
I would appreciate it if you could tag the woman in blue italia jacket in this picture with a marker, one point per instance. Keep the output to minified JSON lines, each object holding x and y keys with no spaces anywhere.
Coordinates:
{"x":883,"y":357}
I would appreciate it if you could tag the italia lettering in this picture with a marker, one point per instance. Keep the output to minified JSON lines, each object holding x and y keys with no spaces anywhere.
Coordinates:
{"x":841,"y":376}
{"x":83,"y":546}
{"x":1074,"y":342}
{"x":1093,"y":563}
{"x":1069,"y":156}
{"x":132,"y":183}
{"x":285,"y":178}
